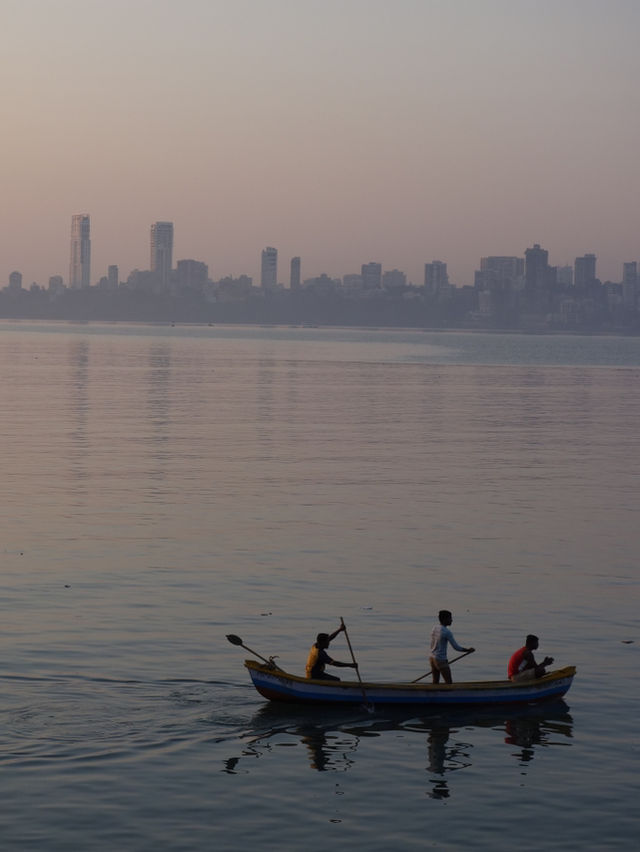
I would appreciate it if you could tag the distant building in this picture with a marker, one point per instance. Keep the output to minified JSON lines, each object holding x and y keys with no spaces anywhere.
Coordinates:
{"x":498,"y":283}
{"x":56,"y":284}
{"x":371,"y":276}
{"x":162,"y":252}
{"x":630,"y":285}
{"x":536,"y":268}
{"x":436,"y":277}
{"x":500,"y":272}
{"x":80,"y":259}
{"x":269,"y":267}
{"x":141,"y":280}
{"x":585,"y":270}
{"x":485,"y":303}
{"x":113,"y":277}
{"x":322,"y":284}
{"x":192,"y":274}
{"x":564,"y":276}
{"x":229,"y":289}
{"x":393,"y":279}
{"x":294,"y":278}
{"x":352,"y":283}
{"x":15,"y":282}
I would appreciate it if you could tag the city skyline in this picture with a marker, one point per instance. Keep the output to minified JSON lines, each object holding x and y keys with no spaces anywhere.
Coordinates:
{"x":372,"y":273}
{"x":508,"y":292}
{"x":161,"y":248}
{"x":337,"y":132}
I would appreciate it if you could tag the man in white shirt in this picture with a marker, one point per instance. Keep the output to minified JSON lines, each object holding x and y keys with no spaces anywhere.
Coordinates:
{"x":441,"y":636}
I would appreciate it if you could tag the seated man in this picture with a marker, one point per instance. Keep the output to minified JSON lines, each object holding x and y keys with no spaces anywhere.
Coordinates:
{"x":523,"y":666}
{"x":318,"y":657}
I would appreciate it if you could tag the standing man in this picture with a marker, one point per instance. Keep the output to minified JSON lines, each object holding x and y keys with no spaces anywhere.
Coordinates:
{"x":523,"y":666}
{"x":440,"y":637}
{"x":318,"y":657}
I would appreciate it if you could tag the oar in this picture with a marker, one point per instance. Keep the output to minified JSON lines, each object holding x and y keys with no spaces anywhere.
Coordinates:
{"x":368,"y":707}
{"x":236,"y":640}
{"x":426,"y":674}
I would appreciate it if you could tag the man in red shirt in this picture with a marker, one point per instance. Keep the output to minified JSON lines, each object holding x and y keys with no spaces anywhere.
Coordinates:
{"x":523,"y":666}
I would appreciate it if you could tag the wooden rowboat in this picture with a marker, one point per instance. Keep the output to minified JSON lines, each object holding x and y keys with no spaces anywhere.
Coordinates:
{"x":277,"y":685}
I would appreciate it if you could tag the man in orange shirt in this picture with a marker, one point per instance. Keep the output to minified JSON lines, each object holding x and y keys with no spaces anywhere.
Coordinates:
{"x":318,"y":657}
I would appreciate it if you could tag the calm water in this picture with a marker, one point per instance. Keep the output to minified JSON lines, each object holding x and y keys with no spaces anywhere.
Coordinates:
{"x":163,"y":487}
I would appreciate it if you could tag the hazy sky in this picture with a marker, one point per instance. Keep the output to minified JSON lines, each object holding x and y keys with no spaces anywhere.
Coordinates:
{"x":343,"y":131}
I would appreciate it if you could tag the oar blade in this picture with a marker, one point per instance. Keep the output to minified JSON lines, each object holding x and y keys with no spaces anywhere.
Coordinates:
{"x":235,"y":640}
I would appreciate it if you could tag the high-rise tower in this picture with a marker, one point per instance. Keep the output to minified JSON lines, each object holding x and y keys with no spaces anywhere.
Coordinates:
{"x":294,"y":280}
{"x":162,"y":251}
{"x":536,"y":268}
{"x":269,"y":267}
{"x":435,"y":277}
{"x":80,"y":259}
{"x":584,"y":273}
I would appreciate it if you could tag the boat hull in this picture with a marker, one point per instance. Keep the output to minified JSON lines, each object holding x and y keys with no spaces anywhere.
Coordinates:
{"x":277,"y":685}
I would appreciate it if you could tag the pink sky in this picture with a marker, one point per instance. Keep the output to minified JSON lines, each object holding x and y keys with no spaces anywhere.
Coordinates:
{"x":343,"y":131}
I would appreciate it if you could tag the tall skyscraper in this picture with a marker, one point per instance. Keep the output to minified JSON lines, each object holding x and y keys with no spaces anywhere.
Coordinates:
{"x":162,"y":251}
{"x":585,"y":270}
{"x":269,"y":267}
{"x":80,"y":260}
{"x":436,"y":277}
{"x":294,"y":280}
{"x":536,"y":268}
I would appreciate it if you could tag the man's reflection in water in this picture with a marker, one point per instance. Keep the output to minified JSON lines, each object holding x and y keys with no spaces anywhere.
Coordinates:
{"x":437,"y":740}
{"x":324,"y":755}
{"x":443,"y":758}
{"x":524,"y":733}
{"x":316,"y":741}
{"x":527,"y":733}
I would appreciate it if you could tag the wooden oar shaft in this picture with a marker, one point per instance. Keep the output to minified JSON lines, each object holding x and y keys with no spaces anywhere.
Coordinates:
{"x":236,"y":640}
{"x":256,"y":654}
{"x":346,"y":636}
{"x":455,"y":659}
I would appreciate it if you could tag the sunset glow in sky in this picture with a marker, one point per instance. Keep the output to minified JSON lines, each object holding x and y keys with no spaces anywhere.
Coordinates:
{"x":343,"y":131}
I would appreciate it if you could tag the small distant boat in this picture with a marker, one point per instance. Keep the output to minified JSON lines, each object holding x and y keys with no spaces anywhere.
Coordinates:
{"x":277,"y":685}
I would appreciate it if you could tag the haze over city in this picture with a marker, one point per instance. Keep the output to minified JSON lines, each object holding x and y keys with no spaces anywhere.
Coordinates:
{"x":341,"y":132}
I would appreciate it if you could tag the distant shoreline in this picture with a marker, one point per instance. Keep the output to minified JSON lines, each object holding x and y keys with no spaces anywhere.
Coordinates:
{"x":521,"y":332}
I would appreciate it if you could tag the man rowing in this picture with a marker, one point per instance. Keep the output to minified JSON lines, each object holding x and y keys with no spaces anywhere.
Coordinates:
{"x":318,"y":657}
{"x":523,"y":666}
{"x":441,"y":636}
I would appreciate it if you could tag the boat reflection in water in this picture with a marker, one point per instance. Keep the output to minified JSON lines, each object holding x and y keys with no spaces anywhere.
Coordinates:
{"x":333,"y":737}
